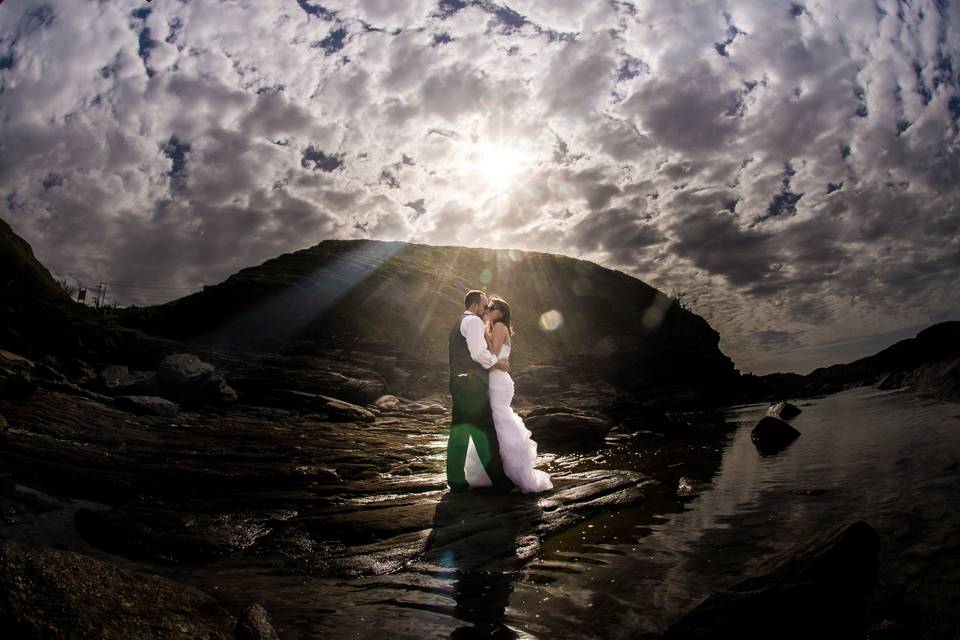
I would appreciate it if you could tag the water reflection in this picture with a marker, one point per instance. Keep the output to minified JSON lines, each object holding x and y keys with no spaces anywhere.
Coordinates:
{"x":484,"y":539}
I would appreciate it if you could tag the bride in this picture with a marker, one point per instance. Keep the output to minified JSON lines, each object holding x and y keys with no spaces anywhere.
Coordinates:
{"x":517,"y":451}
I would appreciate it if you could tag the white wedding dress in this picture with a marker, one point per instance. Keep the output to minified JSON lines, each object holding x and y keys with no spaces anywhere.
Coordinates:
{"x":518,"y":451}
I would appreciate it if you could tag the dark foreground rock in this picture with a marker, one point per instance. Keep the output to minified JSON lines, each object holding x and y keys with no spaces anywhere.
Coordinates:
{"x":188,"y":380}
{"x":51,"y":594}
{"x":772,"y":435}
{"x":816,"y":590}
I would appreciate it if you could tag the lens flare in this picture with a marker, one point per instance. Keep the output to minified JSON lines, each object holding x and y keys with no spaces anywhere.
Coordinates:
{"x":654,"y":314}
{"x":486,"y":276}
{"x":551,"y":320}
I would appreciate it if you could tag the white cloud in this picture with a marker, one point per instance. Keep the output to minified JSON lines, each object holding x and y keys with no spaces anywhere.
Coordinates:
{"x":792,"y":171}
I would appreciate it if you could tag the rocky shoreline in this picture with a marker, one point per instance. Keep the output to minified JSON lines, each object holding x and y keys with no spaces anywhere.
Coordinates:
{"x":300,"y":484}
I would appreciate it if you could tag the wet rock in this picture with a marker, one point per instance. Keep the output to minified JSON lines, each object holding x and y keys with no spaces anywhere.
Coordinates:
{"x":424,"y":408}
{"x":52,"y":594}
{"x":162,"y":536}
{"x":387,"y":402}
{"x":254,"y":624}
{"x":540,"y":379}
{"x":783,"y":410}
{"x":45,"y":373}
{"x":188,"y":380}
{"x":772,"y":434}
{"x":8,"y":359}
{"x":257,"y":377}
{"x":332,"y":408}
{"x":147,"y":405}
{"x":16,"y":376}
{"x":119,"y":380}
{"x":888,"y":630}
{"x":567,"y":428}
{"x":817,"y":589}
{"x":687,"y":487}
{"x":342,"y":410}
{"x":4,"y":425}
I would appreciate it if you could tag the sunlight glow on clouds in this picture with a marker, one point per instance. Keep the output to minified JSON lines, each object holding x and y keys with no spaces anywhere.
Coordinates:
{"x":791,"y":168}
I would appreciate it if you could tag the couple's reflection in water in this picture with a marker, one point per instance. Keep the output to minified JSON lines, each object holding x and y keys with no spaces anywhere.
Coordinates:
{"x":483,"y":538}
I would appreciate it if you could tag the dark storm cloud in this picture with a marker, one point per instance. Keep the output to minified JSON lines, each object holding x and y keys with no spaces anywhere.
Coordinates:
{"x":693,"y":112}
{"x":616,"y":232}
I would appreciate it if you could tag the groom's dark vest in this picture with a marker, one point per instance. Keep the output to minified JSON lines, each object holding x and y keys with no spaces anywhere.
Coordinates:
{"x":460,"y":360}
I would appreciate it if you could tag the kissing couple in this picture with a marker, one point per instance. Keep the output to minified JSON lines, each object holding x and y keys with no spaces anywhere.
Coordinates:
{"x":489,"y":445}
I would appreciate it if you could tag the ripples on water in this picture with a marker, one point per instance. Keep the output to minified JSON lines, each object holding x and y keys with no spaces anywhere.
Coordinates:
{"x":888,"y":458}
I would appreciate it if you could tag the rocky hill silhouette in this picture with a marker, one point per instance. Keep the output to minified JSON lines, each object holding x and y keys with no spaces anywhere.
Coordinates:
{"x":929,"y":362}
{"x":575,"y":322}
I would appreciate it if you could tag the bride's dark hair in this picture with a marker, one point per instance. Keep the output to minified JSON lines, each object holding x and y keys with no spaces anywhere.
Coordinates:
{"x":501,"y":305}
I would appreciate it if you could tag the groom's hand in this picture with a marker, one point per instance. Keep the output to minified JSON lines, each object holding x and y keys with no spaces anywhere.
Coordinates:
{"x":503,"y":364}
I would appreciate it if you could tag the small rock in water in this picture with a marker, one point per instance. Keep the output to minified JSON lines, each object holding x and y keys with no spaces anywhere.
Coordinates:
{"x":686,"y":487}
{"x":783,"y":410}
{"x":771,"y":435}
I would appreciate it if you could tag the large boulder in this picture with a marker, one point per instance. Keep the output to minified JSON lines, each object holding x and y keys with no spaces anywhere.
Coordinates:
{"x":540,"y":379}
{"x":52,"y":594}
{"x":566,"y":428}
{"x":190,"y":381}
{"x":117,"y":379}
{"x":771,"y":435}
{"x":817,"y":589}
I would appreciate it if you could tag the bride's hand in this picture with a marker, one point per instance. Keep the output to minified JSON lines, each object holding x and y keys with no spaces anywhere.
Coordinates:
{"x":503,"y":364}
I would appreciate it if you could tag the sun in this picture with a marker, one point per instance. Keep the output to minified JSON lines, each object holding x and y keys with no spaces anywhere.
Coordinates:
{"x":500,"y":165}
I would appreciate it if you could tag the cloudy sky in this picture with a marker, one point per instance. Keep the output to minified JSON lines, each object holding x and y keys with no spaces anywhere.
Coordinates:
{"x":791,"y":168}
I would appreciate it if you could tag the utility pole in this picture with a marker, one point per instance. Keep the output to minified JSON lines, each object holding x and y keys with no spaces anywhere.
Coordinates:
{"x":101,"y":288}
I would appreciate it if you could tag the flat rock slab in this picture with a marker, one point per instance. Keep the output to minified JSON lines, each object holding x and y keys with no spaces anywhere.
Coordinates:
{"x":51,"y":594}
{"x":147,"y":405}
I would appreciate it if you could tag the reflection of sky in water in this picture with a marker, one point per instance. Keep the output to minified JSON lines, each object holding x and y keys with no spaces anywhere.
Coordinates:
{"x":879,"y":456}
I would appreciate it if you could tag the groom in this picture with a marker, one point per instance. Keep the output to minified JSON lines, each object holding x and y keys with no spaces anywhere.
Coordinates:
{"x":472,"y":417}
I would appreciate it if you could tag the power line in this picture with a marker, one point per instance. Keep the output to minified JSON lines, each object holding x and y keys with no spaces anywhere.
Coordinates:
{"x":145,"y":286}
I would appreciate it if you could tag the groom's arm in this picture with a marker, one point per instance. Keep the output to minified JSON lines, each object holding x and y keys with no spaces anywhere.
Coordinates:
{"x":471,"y":327}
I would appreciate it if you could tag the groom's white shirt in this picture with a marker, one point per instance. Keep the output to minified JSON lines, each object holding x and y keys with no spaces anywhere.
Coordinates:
{"x":471,"y":328}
